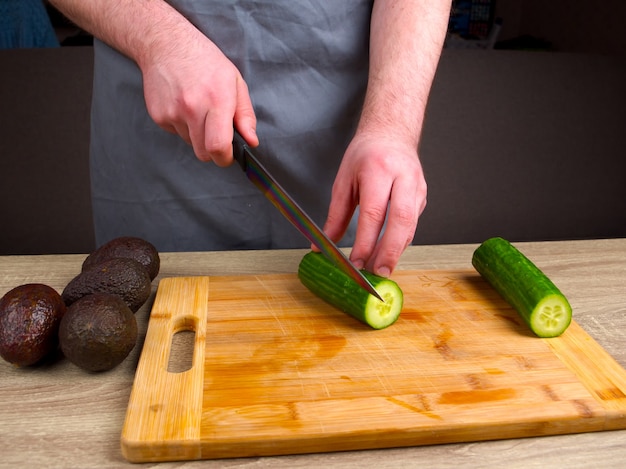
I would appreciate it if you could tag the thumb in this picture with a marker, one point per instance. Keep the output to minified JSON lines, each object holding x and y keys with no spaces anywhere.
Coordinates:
{"x":245,"y":118}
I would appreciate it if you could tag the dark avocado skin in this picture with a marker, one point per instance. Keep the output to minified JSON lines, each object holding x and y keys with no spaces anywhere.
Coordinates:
{"x":30,"y":315}
{"x":98,"y":332}
{"x":127,"y":246}
{"x":120,"y":276}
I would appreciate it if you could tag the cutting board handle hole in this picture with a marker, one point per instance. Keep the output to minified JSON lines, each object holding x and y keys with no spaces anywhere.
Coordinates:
{"x":181,"y":351}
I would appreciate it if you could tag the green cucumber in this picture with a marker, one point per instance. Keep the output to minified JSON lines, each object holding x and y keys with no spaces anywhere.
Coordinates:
{"x":533,"y":295}
{"x":324,"y":279}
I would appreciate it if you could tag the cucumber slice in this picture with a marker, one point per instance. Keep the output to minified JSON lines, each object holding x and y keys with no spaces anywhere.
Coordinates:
{"x":537,"y":300}
{"x":324,"y":279}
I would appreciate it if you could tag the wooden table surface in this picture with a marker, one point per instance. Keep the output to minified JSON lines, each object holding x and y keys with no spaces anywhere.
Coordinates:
{"x":55,"y":415}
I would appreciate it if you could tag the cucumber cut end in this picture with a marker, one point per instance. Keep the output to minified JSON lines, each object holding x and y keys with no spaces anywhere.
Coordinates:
{"x":328,"y":282}
{"x":524,"y":286}
{"x":379,"y":314}
{"x":551,"y":317}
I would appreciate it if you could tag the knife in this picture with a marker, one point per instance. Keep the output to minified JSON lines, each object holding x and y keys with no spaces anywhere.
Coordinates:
{"x":290,"y":209}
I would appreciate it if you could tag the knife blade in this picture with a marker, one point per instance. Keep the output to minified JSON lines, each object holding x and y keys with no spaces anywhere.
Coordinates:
{"x":290,"y":209}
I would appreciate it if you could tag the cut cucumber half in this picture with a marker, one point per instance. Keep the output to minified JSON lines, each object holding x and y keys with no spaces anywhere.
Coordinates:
{"x":324,"y":279}
{"x":524,"y":286}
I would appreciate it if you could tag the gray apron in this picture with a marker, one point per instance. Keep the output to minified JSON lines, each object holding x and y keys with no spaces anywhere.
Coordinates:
{"x":306,"y":68}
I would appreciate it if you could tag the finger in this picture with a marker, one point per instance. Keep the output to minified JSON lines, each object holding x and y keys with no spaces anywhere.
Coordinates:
{"x":220,"y":121}
{"x":372,"y":213}
{"x":405,"y":205}
{"x":211,"y":133}
{"x":181,"y":130}
{"x":218,"y":138}
{"x":175,"y":127}
{"x":245,"y":118}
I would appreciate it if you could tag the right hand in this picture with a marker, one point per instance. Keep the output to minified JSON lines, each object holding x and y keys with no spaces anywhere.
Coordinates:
{"x":192,"y":89}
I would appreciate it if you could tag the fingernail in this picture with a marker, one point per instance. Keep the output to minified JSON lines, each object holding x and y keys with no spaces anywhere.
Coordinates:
{"x":358,"y":263}
{"x":383,"y":271}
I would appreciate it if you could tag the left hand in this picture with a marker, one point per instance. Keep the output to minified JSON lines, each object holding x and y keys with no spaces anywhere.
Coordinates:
{"x":384,"y":177}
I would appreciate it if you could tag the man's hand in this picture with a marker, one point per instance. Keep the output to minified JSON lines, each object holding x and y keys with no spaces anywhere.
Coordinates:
{"x":384,"y":178}
{"x":196,"y":92}
{"x":380,"y":171}
{"x":190,"y":87}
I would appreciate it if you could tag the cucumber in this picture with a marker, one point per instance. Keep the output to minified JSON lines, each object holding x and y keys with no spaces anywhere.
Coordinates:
{"x":537,"y":300}
{"x":324,"y":279}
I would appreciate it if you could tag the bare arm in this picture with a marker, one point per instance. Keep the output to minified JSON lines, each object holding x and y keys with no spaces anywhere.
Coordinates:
{"x":190,"y":87}
{"x":406,"y":41}
{"x":381,"y":171}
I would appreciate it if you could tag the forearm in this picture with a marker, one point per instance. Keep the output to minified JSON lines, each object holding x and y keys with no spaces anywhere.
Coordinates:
{"x":405,"y":45}
{"x":190,"y":87}
{"x":137,"y":28}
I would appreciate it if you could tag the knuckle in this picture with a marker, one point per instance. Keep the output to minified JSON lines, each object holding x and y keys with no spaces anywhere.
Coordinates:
{"x":405,"y":216}
{"x":373,"y":214}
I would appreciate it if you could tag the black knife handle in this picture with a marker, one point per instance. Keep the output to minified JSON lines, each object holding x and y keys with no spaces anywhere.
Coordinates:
{"x":239,"y":149}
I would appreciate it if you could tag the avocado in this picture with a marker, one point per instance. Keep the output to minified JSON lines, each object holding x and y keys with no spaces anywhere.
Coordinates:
{"x":29,"y":322}
{"x":119,"y":276}
{"x":97,"y":332}
{"x":127,"y":246}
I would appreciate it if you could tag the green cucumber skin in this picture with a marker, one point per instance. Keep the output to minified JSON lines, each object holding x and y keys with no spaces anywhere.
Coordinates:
{"x":328,"y":282}
{"x":522,"y":284}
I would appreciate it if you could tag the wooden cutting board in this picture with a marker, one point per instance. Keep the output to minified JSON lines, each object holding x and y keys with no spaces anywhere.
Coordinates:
{"x":275,"y":370}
